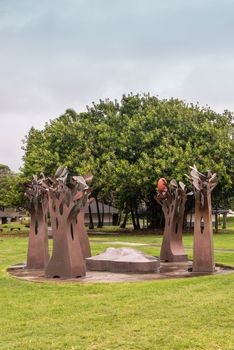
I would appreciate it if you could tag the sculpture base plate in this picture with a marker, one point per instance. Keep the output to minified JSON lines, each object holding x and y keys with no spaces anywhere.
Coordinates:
{"x":176,"y":258}
{"x":167,"y":271}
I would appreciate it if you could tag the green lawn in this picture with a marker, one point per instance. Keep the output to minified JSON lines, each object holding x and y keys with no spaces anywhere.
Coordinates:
{"x":196,"y":313}
{"x":222,"y":240}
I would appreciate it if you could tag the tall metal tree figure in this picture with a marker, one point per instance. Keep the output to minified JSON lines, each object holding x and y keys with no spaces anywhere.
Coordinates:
{"x":38,"y":253}
{"x":203,"y":251}
{"x":79,"y":221}
{"x":65,"y":195}
{"x":172,"y":198}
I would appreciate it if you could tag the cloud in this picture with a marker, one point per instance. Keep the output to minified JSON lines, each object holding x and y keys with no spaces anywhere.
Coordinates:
{"x":59,"y":54}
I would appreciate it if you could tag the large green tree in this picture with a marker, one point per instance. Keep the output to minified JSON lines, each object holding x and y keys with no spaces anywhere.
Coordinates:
{"x":128,"y":145}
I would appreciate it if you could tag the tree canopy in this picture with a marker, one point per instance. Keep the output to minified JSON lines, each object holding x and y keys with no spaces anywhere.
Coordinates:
{"x":128,"y":144}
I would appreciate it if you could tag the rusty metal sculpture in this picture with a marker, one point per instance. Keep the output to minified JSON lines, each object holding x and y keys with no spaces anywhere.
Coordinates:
{"x":172,"y":198}
{"x":66,"y":196}
{"x":80,"y":224}
{"x":203,"y":252}
{"x":38,"y":253}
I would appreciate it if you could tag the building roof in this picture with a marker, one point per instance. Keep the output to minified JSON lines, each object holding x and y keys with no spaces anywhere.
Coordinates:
{"x":107,"y":208}
{"x":8,"y":213}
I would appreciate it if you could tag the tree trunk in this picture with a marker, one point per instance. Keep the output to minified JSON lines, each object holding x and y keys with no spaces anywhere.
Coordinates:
{"x":103,"y":213}
{"x":137,"y":218}
{"x":133,"y":216}
{"x":98,"y":213}
{"x":119,"y":218}
{"x":124,"y":223}
{"x":225,"y":221}
{"x":91,"y":226}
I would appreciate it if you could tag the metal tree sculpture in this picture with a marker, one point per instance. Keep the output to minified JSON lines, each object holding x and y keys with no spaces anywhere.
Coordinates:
{"x":65,"y":195}
{"x":79,"y":221}
{"x":38,"y":253}
{"x":203,"y":252}
{"x":173,"y":199}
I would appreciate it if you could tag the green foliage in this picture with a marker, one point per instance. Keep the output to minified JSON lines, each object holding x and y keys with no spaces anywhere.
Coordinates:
{"x":6,"y":178}
{"x":128,"y":145}
{"x":11,"y":188}
{"x":4,"y":169}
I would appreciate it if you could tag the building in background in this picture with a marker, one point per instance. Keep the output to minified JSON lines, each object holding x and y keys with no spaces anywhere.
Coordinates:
{"x":219,"y":216}
{"x":110,"y":214}
{"x":9,"y":215}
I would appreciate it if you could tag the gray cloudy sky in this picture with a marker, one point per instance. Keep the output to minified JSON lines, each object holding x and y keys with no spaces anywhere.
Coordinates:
{"x":59,"y":54}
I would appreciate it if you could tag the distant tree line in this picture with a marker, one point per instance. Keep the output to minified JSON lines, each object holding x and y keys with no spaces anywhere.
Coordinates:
{"x":129,"y":144}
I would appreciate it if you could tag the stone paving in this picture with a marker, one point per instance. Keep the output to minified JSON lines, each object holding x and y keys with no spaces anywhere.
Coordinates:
{"x":167,"y":271}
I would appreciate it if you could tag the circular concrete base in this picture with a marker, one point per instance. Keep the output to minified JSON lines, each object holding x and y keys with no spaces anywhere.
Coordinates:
{"x":167,"y":271}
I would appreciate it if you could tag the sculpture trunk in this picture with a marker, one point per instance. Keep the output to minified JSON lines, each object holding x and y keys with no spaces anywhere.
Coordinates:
{"x":38,"y":252}
{"x":67,"y":259}
{"x":82,"y":234}
{"x":203,"y":255}
{"x":172,"y":249}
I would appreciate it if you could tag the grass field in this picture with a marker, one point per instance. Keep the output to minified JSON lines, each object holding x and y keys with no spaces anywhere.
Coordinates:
{"x":196,"y":313}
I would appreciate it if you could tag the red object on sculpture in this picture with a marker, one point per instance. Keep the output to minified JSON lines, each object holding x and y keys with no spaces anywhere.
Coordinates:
{"x":162,"y":184}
